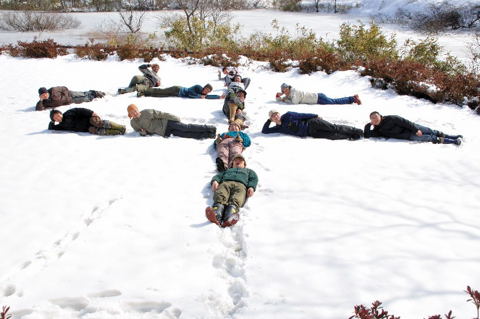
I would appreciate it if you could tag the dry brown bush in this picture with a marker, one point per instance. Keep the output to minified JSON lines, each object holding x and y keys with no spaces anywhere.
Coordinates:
{"x":25,"y":21}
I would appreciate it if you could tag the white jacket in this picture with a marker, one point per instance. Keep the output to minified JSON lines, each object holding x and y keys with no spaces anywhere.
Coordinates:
{"x":301,"y":97}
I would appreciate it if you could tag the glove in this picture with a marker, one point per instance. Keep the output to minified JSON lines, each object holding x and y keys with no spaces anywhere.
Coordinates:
{"x":239,"y":139}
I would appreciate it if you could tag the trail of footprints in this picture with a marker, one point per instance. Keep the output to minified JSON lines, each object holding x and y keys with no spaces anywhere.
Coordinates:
{"x":231,"y":264}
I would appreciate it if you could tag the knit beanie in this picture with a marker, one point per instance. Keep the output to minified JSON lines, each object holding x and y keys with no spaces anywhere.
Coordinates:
{"x":285,"y":86}
{"x":42,"y":90}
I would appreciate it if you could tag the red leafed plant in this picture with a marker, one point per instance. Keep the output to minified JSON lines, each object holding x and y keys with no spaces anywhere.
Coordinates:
{"x":376,"y":311}
{"x":475,"y":299}
{"x":449,"y":315}
{"x":4,"y":314}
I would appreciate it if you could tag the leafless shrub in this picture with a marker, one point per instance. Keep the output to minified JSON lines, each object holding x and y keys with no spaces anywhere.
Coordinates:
{"x":130,"y":19}
{"x":443,"y":16}
{"x":37,"y":21}
{"x":474,"y":48}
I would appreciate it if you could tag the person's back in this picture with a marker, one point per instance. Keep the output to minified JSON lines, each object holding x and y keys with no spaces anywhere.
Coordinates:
{"x":58,"y":96}
{"x":152,"y":121}
{"x":76,"y":120}
{"x":301,"y":97}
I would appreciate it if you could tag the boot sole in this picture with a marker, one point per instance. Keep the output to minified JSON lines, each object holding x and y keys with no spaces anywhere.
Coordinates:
{"x":232,"y":221}
{"x":210,"y":213}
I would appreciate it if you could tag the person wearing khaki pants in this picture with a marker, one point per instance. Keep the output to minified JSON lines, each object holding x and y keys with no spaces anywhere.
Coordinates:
{"x":231,"y":189}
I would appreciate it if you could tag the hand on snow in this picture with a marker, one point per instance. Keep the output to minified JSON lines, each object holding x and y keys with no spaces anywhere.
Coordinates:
{"x":214,"y":186}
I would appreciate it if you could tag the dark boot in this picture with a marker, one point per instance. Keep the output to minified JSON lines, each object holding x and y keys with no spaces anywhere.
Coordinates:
{"x":445,"y":140}
{"x":453,"y":137}
{"x":230,"y":216}
{"x":220,"y":165}
{"x":99,"y":94}
{"x":214,"y":213}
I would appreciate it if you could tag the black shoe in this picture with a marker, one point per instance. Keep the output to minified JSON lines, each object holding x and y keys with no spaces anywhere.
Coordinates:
{"x":99,"y":94}
{"x":220,"y":165}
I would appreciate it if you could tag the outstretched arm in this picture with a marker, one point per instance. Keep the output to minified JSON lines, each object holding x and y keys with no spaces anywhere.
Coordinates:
{"x":267,"y":129}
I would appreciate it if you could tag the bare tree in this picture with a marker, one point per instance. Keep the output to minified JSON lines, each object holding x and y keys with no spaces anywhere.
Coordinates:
{"x":131,"y":19}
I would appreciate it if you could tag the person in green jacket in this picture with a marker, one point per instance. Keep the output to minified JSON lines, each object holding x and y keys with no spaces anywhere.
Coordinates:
{"x":231,"y":189}
{"x":150,"y":121}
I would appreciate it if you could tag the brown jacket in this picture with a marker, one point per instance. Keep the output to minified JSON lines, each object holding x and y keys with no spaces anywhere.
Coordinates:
{"x":58,"y":96}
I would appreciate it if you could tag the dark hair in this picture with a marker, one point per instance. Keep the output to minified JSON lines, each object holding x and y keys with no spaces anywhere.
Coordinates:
{"x":208,"y":86}
{"x":224,"y":68}
{"x":42,"y":90}
{"x":375,"y":112}
{"x":52,"y":113}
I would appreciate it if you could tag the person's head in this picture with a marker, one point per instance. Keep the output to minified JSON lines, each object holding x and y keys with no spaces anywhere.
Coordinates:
{"x":155,"y":68}
{"x":56,"y":116}
{"x":239,"y":162}
{"x":242,"y":94}
{"x":225,"y":70}
{"x":207,"y":89}
{"x":375,"y":118}
{"x":237,"y":78}
{"x":43,"y":93}
{"x":274,"y":116}
{"x":235,"y":126}
{"x":285,"y":88}
{"x":133,"y":111}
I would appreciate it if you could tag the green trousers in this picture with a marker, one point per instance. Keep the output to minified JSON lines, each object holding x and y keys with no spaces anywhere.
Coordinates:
{"x":156,"y":92}
{"x":231,"y":193}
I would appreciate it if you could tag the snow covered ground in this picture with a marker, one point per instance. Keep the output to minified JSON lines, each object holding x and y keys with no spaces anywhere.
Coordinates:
{"x":114,"y":227}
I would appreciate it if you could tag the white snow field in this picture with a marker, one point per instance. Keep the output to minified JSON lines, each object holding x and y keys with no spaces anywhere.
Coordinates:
{"x":114,"y":227}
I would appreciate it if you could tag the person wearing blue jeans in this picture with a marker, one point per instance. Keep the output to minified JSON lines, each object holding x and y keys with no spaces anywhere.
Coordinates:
{"x":394,"y":126}
{"x":294,"y":96}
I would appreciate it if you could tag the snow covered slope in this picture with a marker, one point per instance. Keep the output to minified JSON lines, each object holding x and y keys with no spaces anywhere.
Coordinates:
{"x":113,"y":227}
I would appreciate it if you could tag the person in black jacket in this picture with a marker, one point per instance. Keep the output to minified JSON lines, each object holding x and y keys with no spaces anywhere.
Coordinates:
{"x":394,"y":126}
{"x":308,"y":124}
{"x":83,"y":120}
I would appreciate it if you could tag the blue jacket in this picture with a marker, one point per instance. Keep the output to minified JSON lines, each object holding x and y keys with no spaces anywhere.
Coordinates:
{"x":293,"y":123}
{"x":195,"y":92}
{"x":244,"y":136}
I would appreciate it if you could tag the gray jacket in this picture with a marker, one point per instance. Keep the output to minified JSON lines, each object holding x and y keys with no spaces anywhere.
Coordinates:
{"x":152,"y":121}
{"x":152,"y":76}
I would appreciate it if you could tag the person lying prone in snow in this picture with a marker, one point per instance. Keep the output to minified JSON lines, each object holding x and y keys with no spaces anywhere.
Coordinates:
{"x":194,"y":92}
{"x":294,"y":96}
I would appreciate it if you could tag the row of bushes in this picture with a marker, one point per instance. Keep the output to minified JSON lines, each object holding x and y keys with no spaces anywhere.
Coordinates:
{"x":415,"y":69}
{"x":376,"y":311}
